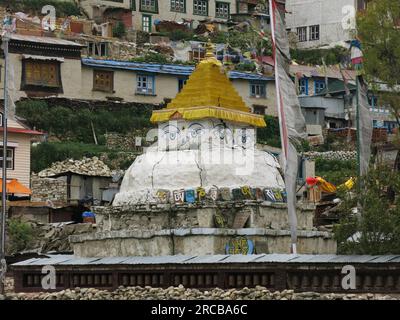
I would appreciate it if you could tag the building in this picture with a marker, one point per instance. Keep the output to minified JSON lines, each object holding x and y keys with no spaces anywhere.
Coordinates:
{"x":155,"y":83}
{"x":317,"y":23}
{"x":43,"y":66}
{"x":18,"y":150}
{"x":145,"y":13}
{"x":330,"y":107}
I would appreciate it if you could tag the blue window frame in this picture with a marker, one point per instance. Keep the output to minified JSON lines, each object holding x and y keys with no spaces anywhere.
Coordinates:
{"x":303,"y":86}
{"x":181,"y":83}
{"x":258,"y":90}
{"x":145,"y":84}
{"x":319,"y":85}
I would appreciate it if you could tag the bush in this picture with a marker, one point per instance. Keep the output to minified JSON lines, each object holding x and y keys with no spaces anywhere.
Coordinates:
{"x":314,"y":56}
{"x":270,"y":134}
{"x":246,"y":66}
{"x":335,"y":171}
{"x":63,"y":8}
{"x":20,"y":235}
{"x":68,"y":124}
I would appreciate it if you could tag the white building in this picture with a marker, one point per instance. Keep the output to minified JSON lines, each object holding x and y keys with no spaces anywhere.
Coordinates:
{"x":317,"y":23}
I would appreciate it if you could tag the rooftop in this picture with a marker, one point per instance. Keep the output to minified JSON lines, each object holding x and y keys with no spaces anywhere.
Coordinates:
{"x":44,"y":40}
{"x":175,"y":69}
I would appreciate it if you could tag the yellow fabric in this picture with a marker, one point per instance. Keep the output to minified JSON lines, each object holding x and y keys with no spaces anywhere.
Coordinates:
{"x":325,"y":186}
{"x":209,"y":112}
{"x":208,"y":93}
{"x":349,"y":184}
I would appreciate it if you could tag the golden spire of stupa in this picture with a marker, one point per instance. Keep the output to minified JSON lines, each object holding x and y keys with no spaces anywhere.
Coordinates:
{"x":208,"y":93}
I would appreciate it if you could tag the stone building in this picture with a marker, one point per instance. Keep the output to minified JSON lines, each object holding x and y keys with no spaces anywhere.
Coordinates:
{"x":319,"y":23}
{"x":145,"y":13}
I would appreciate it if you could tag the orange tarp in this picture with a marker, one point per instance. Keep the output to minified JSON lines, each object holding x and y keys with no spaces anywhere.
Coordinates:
{"x":15,"y":187}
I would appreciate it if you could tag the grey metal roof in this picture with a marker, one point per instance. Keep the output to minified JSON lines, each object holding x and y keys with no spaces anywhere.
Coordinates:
{"x":209,"y":259}
{"x":44,"y":40}
{"x":173,"y":69}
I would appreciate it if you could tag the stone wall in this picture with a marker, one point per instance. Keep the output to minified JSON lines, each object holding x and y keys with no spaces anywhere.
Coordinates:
{"x":166,"y":216}
{"x":199,"y":229}
{"x":124,"y":142}
{"x":44,"y":189}
{"x":331,"y":155}
{"x":196,"y":241}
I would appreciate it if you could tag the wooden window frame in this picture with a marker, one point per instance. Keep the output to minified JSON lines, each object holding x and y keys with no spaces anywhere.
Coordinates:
{"x":103,"y":89}
{"x":305,"y":85}
{"x":302,"y":29}
{"x":217,"y":15}
{"x":261,"y":85}
{"x":146,"y":16}
{"x":150,"y":78}
{"x":12,"y":149}
{"x":315,"y":32}
{"x":144,"y":8}
{"x":197,"y":13}
{"x":173,"y":8}
{"x":317,"y":84}
{"x":27,"y":85}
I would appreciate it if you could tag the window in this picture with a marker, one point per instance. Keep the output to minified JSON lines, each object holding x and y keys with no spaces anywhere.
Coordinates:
{"x":319,"y":86}
{"x":10,"y":158}
{"x":1,"y":119}
{"x":373,"y":101}
{"x":145,"y":85}
{"x":197,"y":54}
{"x":200,"y":7}
{"x":259,"y":109}
{"x":103,"y":81}
{"x":303,"y":86}
{"x":222,"y":10}
{"x":146,"y":23}
{"x":42,"y":73}
{"x":257,"y":90}
{"x":98,"y":49}
{"x":181,"y":83}
{"x":133,"y":5}
{"x":314,"y":32}
{"x":149,"y":5}
{"x":178,"y":5}
{"x":302,"y":34}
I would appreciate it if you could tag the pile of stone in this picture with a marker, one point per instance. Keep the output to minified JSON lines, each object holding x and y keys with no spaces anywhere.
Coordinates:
{"x":331,"y":155}
{"x":44,"y":189}
{"x":50,"y":237}
{"x":181,"y":293}
{"x":86,"y":166}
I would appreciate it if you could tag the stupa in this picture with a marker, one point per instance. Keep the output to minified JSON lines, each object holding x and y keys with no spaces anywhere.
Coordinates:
{"x":203,"y":187}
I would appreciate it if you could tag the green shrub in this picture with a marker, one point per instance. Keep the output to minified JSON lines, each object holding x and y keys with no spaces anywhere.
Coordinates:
{"x":378,"y":223}
{"x":246,"y":66}
{"x":270,"y":134}
{"x":335,"y":171}
{"x":20,"y":235}
{"x":63,"y":8}
{"x":314,"y":56}
{"x":68,"y":124}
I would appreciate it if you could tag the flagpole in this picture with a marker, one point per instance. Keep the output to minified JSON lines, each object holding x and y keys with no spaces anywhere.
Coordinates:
{"x":3,"y":265}
{"x":358,"y":130}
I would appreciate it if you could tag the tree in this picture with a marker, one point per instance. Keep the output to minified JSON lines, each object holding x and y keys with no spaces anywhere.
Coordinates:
{"x":378,"y":28}
{"x":375,"y":230}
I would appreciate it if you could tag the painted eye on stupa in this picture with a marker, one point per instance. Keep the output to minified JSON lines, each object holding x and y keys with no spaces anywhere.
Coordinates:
{"x":244,"y":136}
{"x":196,"y":129}
{"x":171,"y":132}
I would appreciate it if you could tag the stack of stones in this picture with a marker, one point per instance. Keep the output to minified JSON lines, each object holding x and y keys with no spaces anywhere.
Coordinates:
{"x":86,"y":166}
{"x":331,"y":155}
{"x":44,"y":189}
{"x":181,"y":293}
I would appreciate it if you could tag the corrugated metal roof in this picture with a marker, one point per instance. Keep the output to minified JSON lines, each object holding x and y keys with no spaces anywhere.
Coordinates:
{"x":44,"y":40}
{"x":209,"y":259}
{"x":164,"y":69}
